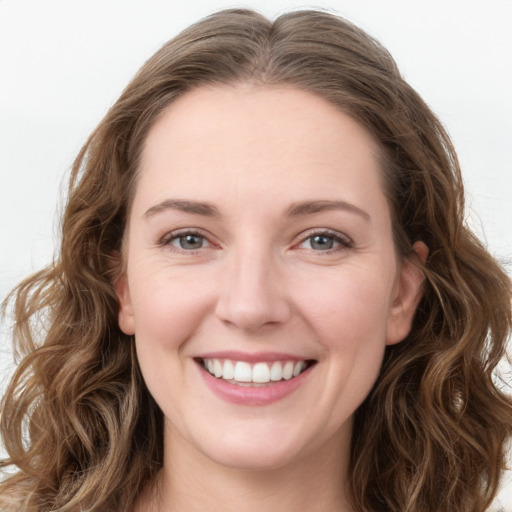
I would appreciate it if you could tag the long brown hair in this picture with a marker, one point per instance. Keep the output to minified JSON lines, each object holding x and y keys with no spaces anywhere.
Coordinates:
{"x":77,"y":421}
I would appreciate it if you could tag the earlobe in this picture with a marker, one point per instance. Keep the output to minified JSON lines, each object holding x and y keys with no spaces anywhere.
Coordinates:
{"x":125,"y":317}
{"x":408,"y":295}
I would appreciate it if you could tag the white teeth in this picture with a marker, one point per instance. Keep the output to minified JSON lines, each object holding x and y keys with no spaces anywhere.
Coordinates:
{"x":276,"y":372}
{"x":288,"y":371}
{"x":243,"y":372}
{"x":229,"y":370}
{"x":260,"y":373}
{"x":217,"y":368}
{"x":298,"y":368}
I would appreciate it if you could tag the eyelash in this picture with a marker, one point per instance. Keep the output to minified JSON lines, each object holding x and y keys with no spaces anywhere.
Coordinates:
{"x":343,"y":241}
{"x":166,"y":240}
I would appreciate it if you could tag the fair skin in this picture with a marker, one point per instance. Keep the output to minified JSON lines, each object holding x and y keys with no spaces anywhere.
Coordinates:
{"x":260,"y":237}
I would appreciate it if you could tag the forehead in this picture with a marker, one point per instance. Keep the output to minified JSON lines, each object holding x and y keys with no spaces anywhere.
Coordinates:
{"x":223,"y":141}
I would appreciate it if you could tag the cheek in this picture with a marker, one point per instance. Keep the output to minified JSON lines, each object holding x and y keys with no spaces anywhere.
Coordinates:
{"x":349,"y":311}
{"x":350,"y":322}
{"x":167,"y":310}
{"x":168,"y":306}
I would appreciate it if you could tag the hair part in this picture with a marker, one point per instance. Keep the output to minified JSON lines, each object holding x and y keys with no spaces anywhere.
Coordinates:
{"x":77,"y":420}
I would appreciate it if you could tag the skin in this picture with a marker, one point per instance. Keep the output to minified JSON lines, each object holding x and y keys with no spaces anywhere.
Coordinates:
{"x":258,"y":282}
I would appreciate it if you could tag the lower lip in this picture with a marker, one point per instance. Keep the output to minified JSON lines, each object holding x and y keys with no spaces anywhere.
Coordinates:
{"x":247,"y":395}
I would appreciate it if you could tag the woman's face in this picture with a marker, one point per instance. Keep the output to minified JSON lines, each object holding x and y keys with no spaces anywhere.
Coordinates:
{"x":260,"y":249}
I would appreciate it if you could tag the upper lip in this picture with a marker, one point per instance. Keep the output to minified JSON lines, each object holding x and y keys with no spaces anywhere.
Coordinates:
{"x":254,"y":357}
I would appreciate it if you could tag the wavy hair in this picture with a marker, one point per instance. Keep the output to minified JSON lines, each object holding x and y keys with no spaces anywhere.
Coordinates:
{"x":77,"y":421}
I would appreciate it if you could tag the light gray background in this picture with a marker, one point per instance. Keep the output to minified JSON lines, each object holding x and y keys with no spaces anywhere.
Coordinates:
{"x":63,"y":63}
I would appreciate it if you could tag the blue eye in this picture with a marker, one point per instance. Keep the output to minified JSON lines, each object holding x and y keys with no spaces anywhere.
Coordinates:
{"x":188,"y":241}
{"x":321,"y":242}
{"x":325,"y":242}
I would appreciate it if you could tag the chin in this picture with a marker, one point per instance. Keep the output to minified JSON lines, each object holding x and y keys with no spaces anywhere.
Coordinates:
{"x":267,"y":448}
{"x":253,"y":458}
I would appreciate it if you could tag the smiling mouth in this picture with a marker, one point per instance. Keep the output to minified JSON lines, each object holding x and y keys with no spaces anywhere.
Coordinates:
{"x":258,"y":374}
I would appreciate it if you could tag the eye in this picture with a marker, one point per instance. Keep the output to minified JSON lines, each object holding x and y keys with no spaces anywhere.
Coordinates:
{"x":325,"y":241}
{"x":321,"y":242}
{"x":185,"y":241}
{"x":189,"y":242}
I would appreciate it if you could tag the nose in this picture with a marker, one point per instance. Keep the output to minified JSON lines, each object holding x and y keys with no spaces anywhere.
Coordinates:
{"x":252,"y":293}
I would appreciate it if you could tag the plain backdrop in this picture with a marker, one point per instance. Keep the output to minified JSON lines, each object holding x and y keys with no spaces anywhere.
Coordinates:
{"x":63,"y":63}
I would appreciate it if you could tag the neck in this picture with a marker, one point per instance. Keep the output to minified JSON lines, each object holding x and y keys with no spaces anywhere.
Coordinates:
{"x":192,"y":482}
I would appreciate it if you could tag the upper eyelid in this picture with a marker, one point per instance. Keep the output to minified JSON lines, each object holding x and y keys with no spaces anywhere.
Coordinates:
{"x":171,"y":235}
{"x":299,"y":238}
{"x":304,"y":235}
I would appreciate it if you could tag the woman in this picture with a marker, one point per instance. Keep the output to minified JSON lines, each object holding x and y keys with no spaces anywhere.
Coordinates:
{"x":266,"y":297}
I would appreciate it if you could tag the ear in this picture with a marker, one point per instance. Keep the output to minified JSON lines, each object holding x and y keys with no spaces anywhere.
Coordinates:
{"x":125,"y":318}
{"x":408,"y":292}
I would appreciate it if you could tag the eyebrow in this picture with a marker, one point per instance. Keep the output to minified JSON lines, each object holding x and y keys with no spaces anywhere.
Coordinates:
{"x":195,"y":207}
{"x":295,"y":210}
{"x":311,"y":207}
